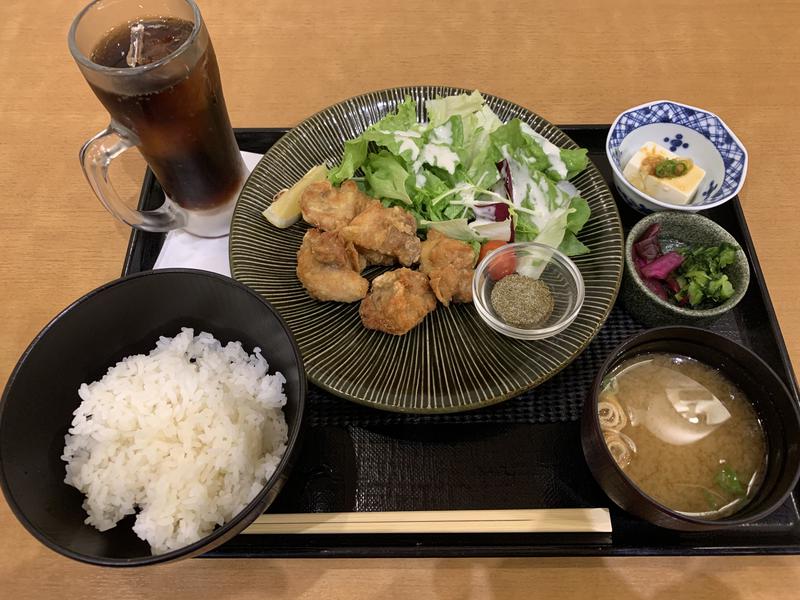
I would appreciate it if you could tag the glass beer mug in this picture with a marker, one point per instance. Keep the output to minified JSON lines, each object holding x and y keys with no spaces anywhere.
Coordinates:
{"x":152,"y":65}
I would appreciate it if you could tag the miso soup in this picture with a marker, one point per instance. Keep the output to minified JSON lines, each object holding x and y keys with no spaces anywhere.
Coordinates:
{"x":684,"y":434}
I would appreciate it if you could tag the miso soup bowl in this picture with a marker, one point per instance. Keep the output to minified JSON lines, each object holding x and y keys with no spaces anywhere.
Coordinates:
{"x":775,"y":405}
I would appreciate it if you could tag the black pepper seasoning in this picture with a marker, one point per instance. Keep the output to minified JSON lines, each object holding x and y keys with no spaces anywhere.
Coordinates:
{"x":522,"y":301}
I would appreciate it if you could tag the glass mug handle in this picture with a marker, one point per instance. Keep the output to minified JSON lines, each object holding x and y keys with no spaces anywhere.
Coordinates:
{"x":96,"y":156}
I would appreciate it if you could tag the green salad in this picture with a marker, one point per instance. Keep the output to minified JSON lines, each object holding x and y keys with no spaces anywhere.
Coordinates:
{"x":469,"y":175}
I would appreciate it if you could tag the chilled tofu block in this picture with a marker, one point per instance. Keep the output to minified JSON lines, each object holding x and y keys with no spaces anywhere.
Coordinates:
{"x":663,"y":175}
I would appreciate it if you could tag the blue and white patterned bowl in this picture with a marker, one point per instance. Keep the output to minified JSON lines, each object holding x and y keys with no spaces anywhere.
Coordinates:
{"x":686,"y":131}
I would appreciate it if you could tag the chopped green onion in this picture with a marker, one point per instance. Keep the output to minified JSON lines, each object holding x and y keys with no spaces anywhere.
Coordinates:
{"x":673,"y":167}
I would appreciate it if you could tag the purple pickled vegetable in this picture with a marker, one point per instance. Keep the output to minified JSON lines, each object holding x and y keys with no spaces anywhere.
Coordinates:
{"x":505,"y":173}
{"x":673,"y":285}
{"x":647,"y":245}
{"x":650,"y":232}
{"x":661,"y":267}
{"x":649,"y":249}
{"x":656,"y":287}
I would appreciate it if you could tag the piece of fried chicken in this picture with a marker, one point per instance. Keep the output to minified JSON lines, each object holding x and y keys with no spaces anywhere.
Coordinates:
{"x":388,"y":231}
{"x":449,"y":264}
{"x":397,"y":302}
{"x":376,"y":258}
{"x":331,"y":208}
{"x":329,"y":268}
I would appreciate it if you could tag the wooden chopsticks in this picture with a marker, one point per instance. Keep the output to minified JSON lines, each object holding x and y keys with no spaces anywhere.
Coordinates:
{"x":549,"y":520}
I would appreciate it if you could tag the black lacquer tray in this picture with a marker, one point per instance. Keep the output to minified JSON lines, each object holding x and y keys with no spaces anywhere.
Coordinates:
{"x":522,"y":453}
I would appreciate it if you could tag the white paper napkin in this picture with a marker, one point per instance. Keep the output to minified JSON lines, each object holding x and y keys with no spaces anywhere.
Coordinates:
{"x":185,"y":250}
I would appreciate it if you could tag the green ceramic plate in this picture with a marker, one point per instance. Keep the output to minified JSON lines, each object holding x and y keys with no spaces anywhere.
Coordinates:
{"x":452,"y":361}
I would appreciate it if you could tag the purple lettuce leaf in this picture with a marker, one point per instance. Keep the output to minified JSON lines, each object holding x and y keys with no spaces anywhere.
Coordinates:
{"x":505,"y":173}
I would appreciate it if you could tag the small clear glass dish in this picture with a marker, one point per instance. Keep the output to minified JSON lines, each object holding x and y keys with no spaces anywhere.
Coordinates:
{"x":540,"y":262}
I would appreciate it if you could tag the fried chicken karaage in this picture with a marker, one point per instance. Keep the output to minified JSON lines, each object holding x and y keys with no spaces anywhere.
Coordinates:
{"x":387,"y":231}
{"x":376,"y":258}
{"x":329,"y":268}
{"x":449,"y":264}
{"x":397,"y":302}
{"x":331,"y":208}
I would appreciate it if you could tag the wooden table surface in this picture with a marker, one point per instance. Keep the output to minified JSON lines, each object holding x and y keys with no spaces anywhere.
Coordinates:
{"x":582,"y":62}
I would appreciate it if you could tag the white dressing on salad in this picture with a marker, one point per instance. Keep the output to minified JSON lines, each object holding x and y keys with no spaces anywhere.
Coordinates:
{"x":406,"y":141}
{"x":437,"y":155}
{"x":532,"y":189}
{"x":443,"y":134}
{"x":552,"y":151}
{"x":407,"y":134}
{"x":541,"y":204}
{"x":520,"y":178}
{"x":420,"y":180}
{"x":407,"y":144}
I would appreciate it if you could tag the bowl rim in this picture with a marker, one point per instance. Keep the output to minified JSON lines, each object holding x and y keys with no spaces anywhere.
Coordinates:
{"x":696,"y":313}
{"x":672,"y":331}
{"x":221,"y":533}
{"x":688,"y":207}
{"x":517,"y":332}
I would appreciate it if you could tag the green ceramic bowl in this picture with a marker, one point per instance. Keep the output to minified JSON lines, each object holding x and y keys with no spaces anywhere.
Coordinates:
{"x":691,"y":229}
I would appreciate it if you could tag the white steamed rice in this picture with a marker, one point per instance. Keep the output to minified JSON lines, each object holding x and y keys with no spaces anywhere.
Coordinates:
{"x":187,"y":436}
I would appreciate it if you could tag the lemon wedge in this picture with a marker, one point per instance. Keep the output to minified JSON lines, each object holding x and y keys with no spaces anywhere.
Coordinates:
{"x":285,"y":209}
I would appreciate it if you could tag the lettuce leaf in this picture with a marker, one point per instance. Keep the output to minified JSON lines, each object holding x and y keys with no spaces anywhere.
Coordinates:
{"x":404,"y":118}
{"x":579,"y":214}
{"x":509,"y":140}
{"x":572,"y":246}
{"x":441,"y":109}
{"x":458,"y":229}
{"x":525,"y":230}
{"x":387,"y":177}
{"x":355,"y":152}
{"x":575,"y":159}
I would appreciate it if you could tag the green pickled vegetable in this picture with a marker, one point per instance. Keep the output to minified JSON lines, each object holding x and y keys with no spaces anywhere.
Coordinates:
{"x":702,"y":278}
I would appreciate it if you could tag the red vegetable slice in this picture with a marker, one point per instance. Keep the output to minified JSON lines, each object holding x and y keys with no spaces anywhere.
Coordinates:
{"x":661,"y":267}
